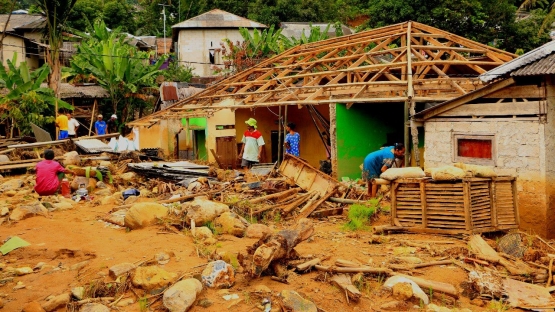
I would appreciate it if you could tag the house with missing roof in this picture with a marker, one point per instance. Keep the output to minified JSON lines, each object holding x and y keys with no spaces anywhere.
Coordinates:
{"x":508,"y":124}
{"x":197,"y":41}
{"x":23,"y":35}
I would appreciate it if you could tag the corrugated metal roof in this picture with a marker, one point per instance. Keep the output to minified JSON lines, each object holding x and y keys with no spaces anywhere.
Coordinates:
{"x":523,"y":60}
{"x":295,"y":29}
{"x":218,"y":19}
{"x":544,"y":66}
{"x":93,"y":146}
{"x":18,"y":20}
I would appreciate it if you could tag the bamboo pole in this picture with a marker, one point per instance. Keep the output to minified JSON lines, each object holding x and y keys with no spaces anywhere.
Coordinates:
{"x":92,"y":117}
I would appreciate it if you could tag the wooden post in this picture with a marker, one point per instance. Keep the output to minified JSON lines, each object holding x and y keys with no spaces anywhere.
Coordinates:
{"x":466,"y":198}
{"x":56,"y":116}
{"x":493,"y":202}
{"x":515,"y":201}
{"x":279,"y":137}
{"x":423,"y":204}
{"x":394,"y":187}
{"x":92,"y":117}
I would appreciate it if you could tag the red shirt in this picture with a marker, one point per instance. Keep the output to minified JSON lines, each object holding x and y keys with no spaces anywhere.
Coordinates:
{"x":47,"y":177}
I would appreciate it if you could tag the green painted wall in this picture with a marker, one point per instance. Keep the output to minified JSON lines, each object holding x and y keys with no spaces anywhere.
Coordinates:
{"x":201,"y":145}
{"x":362,"y":129}
{"x":195,"y":123}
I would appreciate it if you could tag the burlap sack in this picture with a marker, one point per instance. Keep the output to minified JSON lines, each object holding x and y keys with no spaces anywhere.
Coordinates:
{"x":447,"y":173}
{"x":477,"y":170}
{"x":399,"y":173}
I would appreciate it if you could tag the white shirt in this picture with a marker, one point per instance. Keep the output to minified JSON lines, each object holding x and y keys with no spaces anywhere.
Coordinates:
{"x":71,"y":126}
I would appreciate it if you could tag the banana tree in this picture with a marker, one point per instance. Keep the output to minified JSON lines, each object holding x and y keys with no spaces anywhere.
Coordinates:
{"x":106,"y":57}
{"x":27,"y":102}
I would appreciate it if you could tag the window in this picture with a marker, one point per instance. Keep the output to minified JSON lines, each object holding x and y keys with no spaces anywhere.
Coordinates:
{"x":474,"y":149}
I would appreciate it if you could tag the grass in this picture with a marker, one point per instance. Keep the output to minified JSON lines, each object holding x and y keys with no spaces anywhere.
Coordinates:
{"x":143,"y":304}
{"x":498,"y":306}
{"x":359,"y":216}
{"x":212,"y":228}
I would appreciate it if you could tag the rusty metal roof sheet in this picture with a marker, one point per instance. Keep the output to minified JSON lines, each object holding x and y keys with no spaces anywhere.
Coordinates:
{"x":521,"y":61}
{"x":218,"y":19}
{"x":544,"y":66}
{"x":19,"y":21}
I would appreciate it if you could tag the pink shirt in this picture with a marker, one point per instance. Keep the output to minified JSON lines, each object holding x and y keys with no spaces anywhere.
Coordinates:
{"x":47,"y":177}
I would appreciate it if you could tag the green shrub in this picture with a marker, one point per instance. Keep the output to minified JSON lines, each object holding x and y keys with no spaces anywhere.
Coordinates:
{"x":359,"y":216}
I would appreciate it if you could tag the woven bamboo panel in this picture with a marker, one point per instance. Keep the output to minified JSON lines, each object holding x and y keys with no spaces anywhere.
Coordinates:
{"x":472,"y":205}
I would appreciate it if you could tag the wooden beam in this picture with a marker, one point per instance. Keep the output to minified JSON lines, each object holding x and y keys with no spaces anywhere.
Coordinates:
{"x":468,"y":97}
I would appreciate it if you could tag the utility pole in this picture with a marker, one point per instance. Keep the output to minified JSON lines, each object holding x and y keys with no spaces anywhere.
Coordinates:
{"x":164,"y":14}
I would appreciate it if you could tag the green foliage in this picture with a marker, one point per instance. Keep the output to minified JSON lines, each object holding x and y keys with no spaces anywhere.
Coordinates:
{"x":498,"y":306}
{"x":143,"y":304}
{"x":26,"y":102}
{"x":105,"y":57}
{"x":177,"y":72}
{"x":316,"y":34}
{"x":359,"y":216}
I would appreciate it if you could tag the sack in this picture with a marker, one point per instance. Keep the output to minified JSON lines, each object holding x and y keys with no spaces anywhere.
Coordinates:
{"x":477,"y":170}
{"x":399,"y":173}
{"x":447,"y":173}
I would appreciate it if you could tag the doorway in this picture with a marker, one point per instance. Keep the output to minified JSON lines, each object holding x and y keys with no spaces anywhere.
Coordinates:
{"x":199,"y":143}
{"x":275,"y":138}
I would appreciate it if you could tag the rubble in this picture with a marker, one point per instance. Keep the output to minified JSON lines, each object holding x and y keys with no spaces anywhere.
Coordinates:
{"x":152,"y":277}
{"x":181,"y":296}
{"x":218,"y":274}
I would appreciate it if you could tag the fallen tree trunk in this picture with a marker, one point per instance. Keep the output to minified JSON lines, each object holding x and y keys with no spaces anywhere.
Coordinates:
{"x":276,"y":247}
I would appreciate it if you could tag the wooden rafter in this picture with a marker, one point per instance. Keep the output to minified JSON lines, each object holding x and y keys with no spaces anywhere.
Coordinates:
{"x":387,"y":64}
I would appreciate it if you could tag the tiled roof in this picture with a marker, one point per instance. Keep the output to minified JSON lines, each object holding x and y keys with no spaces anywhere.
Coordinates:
{"x":218,"y":19}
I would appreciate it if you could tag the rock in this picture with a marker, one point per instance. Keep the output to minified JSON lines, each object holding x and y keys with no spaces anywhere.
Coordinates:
{"x":262,"y":289}
{"x":120,"y":269}
{"x":162,"y":258}
{"x":78,"y":292}
{"x":63,"y":205}
{"x":56,"y":302}
{"x":205,"y":303}
{"x":203,"y":210}
{"x":11,"y":185}
{"x":152,"y":277}
{"x":111,"y":200}
{"x":416,"y":290}
{"x":27,"y":211}
{"x":39,"y":266}
{"x":130,"y":200}
{"x":78,"y":266}
{"x":477,"y":302}
{"x":181,"y":296}
{"x":257,"y":231}
{"x":103,"y":192}
{"x":218,"y":274}
{"x":4,"y":158}
{"x":23,"y":271}
{"x":94,"y":307}
{"x":402,"y":291}
{"x":125,"y":302}
{"x":117,"y":217}
{"x":10,"y":193}
{"x":4,"y":211}
{"x":230,"y":223}
{"x":72,"y":158}
{"x":129,"y":177}
{"x":210,"y":241}
{"x":294,"y":302}
{"x":144,"y":214}
{"x":101,"y":185}
{"x":392,"y":306}
{"x":202,"y":233}
{"x":32,"y":306}
{"x":105,"y":163}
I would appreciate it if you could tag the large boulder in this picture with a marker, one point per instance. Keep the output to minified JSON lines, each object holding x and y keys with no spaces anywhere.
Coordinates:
{"x":230,"y":223}
{"x":152,"y":277}
{"x":257,"y":230}
{"x":72,"y":158}
{"x":218,"y":274}
{"x":292,"y":301}
{"x":27,"y":211}
{"x":203,"y":210}
{"x":144,"y":214}
{"x":181,"y":296}
{"x":11,"y":185}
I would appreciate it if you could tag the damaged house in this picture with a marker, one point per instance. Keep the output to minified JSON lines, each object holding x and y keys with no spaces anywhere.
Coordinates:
{"x":510,"y":125}
{"x":358,"y":89}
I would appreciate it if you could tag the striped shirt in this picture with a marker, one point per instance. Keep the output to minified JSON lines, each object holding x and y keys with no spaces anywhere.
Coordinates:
{"x":252,"y":140}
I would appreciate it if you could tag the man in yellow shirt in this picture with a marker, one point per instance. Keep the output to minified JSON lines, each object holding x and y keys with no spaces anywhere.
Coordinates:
{"x":61,"y":123}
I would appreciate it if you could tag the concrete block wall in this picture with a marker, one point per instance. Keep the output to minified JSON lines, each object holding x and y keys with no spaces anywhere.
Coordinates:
{"x":520,"y":153}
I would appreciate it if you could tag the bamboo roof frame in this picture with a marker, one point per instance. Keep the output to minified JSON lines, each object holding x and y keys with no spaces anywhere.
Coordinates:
{"x":366,"y":67}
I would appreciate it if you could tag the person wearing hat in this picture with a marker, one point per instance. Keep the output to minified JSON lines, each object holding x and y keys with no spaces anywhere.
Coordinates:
{"x":100,"y":126}
{"x":252,"y":145}
{"x":111,"y":124}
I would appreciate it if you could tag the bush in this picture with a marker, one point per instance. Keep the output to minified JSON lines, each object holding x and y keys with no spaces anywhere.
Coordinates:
{"x":359,"y":215}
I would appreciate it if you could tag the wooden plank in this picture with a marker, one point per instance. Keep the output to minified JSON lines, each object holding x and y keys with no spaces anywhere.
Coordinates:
{"x":468,"y":219}
{"x":423,"y":203}
{"x":38,"y":144}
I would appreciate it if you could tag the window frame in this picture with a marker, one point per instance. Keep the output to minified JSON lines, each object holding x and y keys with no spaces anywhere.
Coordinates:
{"x":473,"y":160}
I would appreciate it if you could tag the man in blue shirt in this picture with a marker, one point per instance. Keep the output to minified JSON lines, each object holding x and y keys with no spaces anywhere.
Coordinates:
{"x":379,"y":161}
{"x":100,"y":126}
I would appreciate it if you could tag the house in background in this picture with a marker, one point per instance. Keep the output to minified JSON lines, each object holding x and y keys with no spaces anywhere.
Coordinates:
{"x":510,"y":125}
{"x":23,"y":35}
{"x":296,"y":29}
{"x":197,"y":40}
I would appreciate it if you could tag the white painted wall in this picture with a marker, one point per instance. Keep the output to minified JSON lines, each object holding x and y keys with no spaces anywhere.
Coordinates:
{"x":194,"y":45}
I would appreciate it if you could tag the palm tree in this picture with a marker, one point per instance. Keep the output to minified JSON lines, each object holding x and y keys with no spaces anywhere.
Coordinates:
{"x":548,"y":5}
{"x":57,"y":13}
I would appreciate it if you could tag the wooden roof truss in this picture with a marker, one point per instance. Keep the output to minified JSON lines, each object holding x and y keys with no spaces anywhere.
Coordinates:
{"x":368,"y":67}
